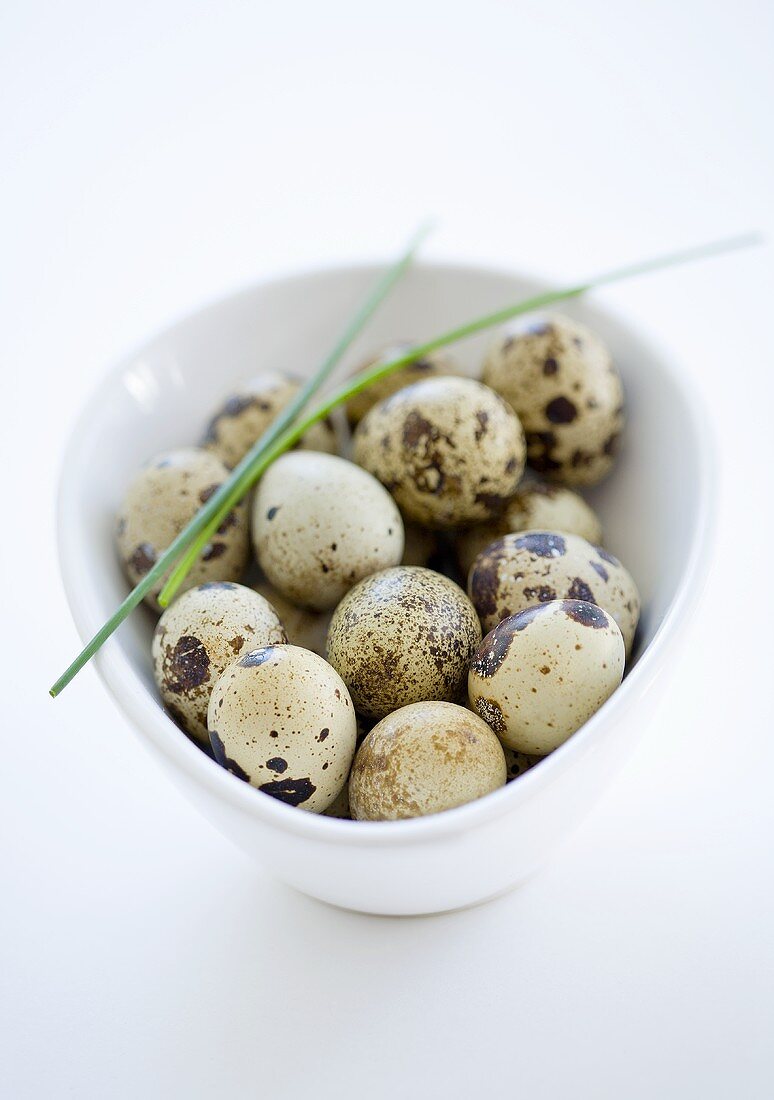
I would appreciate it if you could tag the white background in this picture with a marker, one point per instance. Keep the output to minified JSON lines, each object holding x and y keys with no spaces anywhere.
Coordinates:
{"x":155,"y":155}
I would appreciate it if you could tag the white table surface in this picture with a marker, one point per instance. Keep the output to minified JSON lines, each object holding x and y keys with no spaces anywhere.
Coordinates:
{"x":155,"y":155}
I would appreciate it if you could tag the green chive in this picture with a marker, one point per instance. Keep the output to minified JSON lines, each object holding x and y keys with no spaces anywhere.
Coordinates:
{"x":198,"y":533}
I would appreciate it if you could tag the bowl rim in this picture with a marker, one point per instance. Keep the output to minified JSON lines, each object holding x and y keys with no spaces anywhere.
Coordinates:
{"x":153,"y":725}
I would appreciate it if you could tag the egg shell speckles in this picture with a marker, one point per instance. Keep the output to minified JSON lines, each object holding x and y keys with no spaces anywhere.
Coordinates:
{"x":198,"y":636}
{"x":281,"y":719}
{"x":517,"y":763}
{"x":305,"y":628}
{"x":436,"y":364}
{"x":250,"y":409}
{"x":320,"y":524}
{"x":450,"y":451}
{"x":423,"y":759}
{"x":540,"y":674}
{"x":561,"y":380}
{"x":402,"y":636}
{"x":537,"y":506}
{"x":517,"y":571}
{"x":161,"y":500}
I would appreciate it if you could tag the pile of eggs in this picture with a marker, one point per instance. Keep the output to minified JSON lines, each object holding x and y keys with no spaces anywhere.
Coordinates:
{"x":351,"y":674}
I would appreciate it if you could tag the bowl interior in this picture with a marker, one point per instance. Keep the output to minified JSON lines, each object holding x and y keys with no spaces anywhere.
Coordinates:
{"x":161,"y":396}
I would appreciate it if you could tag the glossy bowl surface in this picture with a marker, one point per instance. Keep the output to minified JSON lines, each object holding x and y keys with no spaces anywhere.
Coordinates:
{"x":656,"y":510}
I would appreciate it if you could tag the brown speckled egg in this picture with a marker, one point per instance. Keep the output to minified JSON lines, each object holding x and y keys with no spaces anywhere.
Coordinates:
{"x":434,"y":365}
{"x":320,"y":524}
{"x":281,"y":719}
{"x":536,"y":507}
{"x":517,"y":763}
{"x":401,"y":636}
{"x":561,"y":380}
{"x":540,"y":674}
{"x":198,"y":636}
{"x":450,"y":451}
{"x":517,"y":571}
{"x":423,"y":759}
{"x":161,"y":500}
{"x":247,"y":412}
{"x":304,"y":627}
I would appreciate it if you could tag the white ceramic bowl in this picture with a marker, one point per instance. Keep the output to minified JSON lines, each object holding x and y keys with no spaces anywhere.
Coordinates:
{"x":655,"y":509}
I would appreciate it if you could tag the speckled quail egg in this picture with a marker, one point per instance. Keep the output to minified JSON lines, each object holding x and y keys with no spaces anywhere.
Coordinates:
{"x":561,"y":380}
{"x":517,"y":763}
{"x":450,"y":451}
{"x":247,"y":412}
{"x":434,"y":365}
{"x":198,"y":636}
{"x":422,"y":759}
{"x":320,"y":524}
{"x":304,"y":627}
{"x":519,"y":570}
{"x":403,"y":635}
{"x":540,"y":674}
{"x":537,"y":506}
{"x":161,"y":500}
{"x":400,"y":636}
{"x":281,"y":719}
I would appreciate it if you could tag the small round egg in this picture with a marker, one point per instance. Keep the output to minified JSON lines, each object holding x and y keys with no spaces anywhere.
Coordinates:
{"x":434,"y":365}
{"x":517,"y":571}
{"x":422,"y":759}
{"x":562,"y":382}
{"x":540,"y":674}
{"x":320,"y":524}
{"x":281,"y":719}
{"x":403,"y":635}
{"x":161,"y":500}
{"x":198,"y":636}
{"x":517,"y":763}
{"x":537,"y":506}
{"x":450,"y":451}
{"x":253,"y":406}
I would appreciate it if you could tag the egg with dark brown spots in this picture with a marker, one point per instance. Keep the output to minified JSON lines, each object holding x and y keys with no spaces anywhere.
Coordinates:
{"x":161,"y":500}
{"x":403,"y":635}
{"x":250,"y":409}
{"x":281,"y":719}
{"x":519,"y":570}
{"x":201,"y":633}
{"x":423,"y":759}
{"x":433,"y":365}
{"x":561,"y":380}
{"x":536,"y":506}
{"x":519,"y":763}
{"x":320,"y":524}
{"x":450,"y":451}
{"x":540,"y":674}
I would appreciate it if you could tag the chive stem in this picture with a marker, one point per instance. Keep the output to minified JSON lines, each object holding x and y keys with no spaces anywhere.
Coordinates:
{"x":275,"y":442}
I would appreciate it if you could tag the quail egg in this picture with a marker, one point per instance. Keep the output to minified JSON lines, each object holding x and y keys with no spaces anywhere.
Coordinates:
{"x":304,"y":628}
{"x":161,"y":500}
{"x":450,"y":451}
{"x":540,"y":674}
{"x":320,"y":524}
{"x":517,"y":763}
{"x":532,"y":567}
{"x":422,"y":759}
{"x":246,"y":414}
{"x":537,"y":506}
{"x":198,"y":636}
{"x":281,"y":719}
{"x":435,"y":364}
{"x":401,"y":636}
{"x":561,"y":380}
